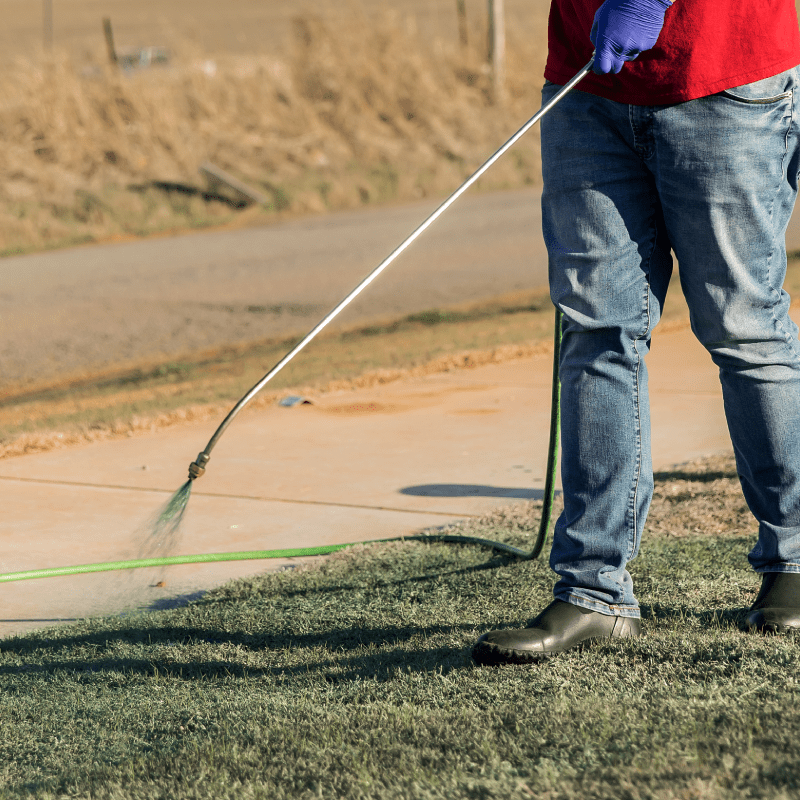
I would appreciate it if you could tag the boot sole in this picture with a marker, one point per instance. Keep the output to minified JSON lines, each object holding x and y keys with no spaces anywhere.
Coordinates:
{"x":490,"y":655}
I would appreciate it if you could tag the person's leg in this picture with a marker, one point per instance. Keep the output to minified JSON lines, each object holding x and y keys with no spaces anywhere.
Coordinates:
{"x":610,"y":266}
{"x":727,"y":174}
{"x":725,"y":171}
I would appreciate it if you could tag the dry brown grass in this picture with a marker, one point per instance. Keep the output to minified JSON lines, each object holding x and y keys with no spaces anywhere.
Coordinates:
{"x":342,"y":115}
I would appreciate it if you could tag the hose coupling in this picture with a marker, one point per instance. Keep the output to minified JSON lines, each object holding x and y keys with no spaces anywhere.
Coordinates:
{"x":197,"y":468}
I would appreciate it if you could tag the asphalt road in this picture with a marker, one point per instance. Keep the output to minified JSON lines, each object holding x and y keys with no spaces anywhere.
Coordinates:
{"x":97,"y":308}
{"x":100,"y":307}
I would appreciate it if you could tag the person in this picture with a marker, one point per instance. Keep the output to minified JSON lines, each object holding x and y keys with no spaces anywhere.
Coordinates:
{"x":684,"y":138}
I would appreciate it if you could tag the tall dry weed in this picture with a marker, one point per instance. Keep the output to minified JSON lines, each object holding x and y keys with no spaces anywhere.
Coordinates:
{"x":345,"y":114}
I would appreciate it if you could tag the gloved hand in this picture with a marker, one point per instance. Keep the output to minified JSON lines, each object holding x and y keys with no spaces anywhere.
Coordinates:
{"x":624,"y":28}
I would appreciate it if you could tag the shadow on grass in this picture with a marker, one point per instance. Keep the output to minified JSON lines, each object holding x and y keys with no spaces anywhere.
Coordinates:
{"x":336,"y":656}
{"x":184,"y":189}
{"x":341,"y":667}
{"x":170,"y":639}
{"x":716,"y":618}
{"x":698,"y":477}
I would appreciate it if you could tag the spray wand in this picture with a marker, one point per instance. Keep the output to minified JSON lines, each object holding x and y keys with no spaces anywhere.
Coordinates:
{"x":198,"y":467}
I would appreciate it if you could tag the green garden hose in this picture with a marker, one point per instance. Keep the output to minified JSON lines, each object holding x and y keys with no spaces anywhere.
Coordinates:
{"x":246,"y":555}
{"x":546,"y":522}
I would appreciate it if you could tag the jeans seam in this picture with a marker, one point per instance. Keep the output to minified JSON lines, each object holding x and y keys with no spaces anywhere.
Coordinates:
{"x":787,"y":337}
{"x":784,"y":165}
{"x":632,"y":539}
{"x":638,"y":420}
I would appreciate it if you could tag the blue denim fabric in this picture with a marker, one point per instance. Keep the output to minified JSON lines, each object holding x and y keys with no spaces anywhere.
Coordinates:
{"x":713,"y":180}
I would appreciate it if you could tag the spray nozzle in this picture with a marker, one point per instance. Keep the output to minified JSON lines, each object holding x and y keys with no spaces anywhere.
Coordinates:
{"x":198,"y":467}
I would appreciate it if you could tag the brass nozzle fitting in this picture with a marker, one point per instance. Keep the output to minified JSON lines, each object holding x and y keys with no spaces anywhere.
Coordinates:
{"x":198,"y":467}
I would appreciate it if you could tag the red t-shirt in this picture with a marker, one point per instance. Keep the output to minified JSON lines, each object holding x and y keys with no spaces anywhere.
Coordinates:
{"x":704,"y":47}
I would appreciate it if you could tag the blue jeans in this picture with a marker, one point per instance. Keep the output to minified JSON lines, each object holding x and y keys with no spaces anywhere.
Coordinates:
{"x":713,"y":180}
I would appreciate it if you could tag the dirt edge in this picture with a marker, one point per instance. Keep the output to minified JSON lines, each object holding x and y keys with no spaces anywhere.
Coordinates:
{"x":26,"y":444}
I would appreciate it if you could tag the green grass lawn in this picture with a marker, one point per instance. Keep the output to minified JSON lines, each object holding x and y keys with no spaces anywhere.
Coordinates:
{"x":350,"y":677}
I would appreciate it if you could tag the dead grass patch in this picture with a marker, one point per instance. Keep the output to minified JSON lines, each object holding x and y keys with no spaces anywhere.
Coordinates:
{"x":347,"y":112}
{"x":702,"y":497}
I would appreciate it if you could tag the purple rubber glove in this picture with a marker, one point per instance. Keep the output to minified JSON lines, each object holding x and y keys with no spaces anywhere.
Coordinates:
{"x":624,"y":28}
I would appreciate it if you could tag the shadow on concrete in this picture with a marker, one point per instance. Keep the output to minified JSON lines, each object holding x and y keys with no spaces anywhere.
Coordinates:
{"x":179,"y":601}
{"x":351,"y":662}
{"x":471,"y":490}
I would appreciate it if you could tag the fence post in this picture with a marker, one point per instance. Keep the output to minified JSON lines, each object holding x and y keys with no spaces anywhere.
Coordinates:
{"x":47,"y":24}
{"x":497,"y":45}
{"x":461,"y":11}
{"x":109,"y":34}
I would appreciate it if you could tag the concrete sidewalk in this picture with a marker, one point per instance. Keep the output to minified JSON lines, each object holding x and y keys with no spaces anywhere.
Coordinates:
{"x":353,"y":466}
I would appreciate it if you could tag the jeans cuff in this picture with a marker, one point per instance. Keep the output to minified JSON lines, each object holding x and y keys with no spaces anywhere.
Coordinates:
{"x":602,"y":608}
{"x":790,"y":567}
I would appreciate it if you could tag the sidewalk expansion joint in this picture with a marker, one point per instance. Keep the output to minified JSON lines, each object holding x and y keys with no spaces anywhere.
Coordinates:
{"x":257,"y":498}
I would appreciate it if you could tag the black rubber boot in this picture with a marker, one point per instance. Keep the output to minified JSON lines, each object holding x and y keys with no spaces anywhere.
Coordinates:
{"x":777,"y":607}
{"x":561,"y":626}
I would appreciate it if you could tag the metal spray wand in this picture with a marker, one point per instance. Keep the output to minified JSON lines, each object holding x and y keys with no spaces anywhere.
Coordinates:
{"x":198,"y":467}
